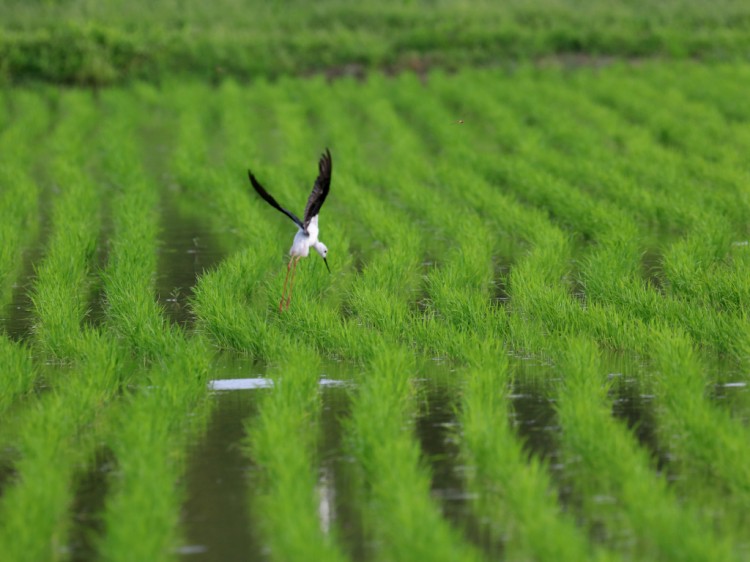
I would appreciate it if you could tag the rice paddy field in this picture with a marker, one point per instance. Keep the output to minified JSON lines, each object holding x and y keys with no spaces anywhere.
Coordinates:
{"x":533,"y":344}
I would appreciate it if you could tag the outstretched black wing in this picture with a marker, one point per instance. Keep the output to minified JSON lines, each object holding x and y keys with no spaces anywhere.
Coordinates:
{"x":271,"y":201}
{"x":320,"y":189}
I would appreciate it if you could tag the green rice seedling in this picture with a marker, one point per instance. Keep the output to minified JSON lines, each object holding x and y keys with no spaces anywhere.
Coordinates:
{"x":514,"y":492}
{"x":282,"y":441}
{"x":52,"y":445}
{"x":19,"y":194}
{"x":60,"y":295}
{"x":18,"y":372}
{"x":716,"y":85}
{"x":131,"y":308}
{"x":608,"y":464}
{"x":404,"y":520}
{"x":148,"y":438}
{"x":575,"y":208}
{"x":708,"y":445}
{"x":707,"y":267}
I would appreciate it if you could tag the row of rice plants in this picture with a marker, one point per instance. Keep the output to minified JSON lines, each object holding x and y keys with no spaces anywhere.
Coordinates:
{"x":19,"y":198}
{"x":19,"y":195}
{"x":283,"y":442}
{"x":50,"y":435}
{"x":604,"y":271}
{"x":571,"y":221}
{"x":150,"y":429}
{"x":612,"y":278}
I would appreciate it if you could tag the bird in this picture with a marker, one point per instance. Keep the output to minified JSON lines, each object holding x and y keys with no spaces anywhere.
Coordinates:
{"x":307,"y":228}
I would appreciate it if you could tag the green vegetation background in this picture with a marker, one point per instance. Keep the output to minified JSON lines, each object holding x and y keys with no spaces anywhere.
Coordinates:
{"x":90,"y":42}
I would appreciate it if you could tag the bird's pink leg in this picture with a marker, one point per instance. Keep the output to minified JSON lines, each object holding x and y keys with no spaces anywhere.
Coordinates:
{"x":291,"y":281}
{"x":283,"y":292}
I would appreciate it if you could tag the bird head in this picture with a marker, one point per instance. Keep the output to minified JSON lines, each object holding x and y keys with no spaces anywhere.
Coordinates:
{"x":322,"y":249}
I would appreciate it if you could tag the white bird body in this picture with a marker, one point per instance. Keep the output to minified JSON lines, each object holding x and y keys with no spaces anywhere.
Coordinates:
{"x":303,"y":240}
{"x":307,"y":229}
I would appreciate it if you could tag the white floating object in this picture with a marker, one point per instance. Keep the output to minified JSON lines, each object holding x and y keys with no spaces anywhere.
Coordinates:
{"x":258,"y":383}
{"x":240,"y":384}
{"x":734,"y":384}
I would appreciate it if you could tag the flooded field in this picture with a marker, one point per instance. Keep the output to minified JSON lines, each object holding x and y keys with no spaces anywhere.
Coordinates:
{"x":532,"y":344}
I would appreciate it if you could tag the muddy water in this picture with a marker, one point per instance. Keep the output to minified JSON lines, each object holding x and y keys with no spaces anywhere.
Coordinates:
{"x":18,"y":316}
{"x":216,"y":514}
{"x":91,"y":491}
{"x":338,"y":492}
{"x":187,"y":249}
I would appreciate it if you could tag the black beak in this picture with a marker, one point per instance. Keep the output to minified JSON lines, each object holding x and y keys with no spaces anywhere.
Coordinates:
{"x":325,"y":261}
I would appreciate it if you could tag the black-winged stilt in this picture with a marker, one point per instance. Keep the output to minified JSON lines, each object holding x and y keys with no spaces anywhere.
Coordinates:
{"x":307,"y":235}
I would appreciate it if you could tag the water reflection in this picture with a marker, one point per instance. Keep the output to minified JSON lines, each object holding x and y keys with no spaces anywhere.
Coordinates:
{"x":217,"y":512}
{"x":339,"y":483}
{"x":187,"y":249}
